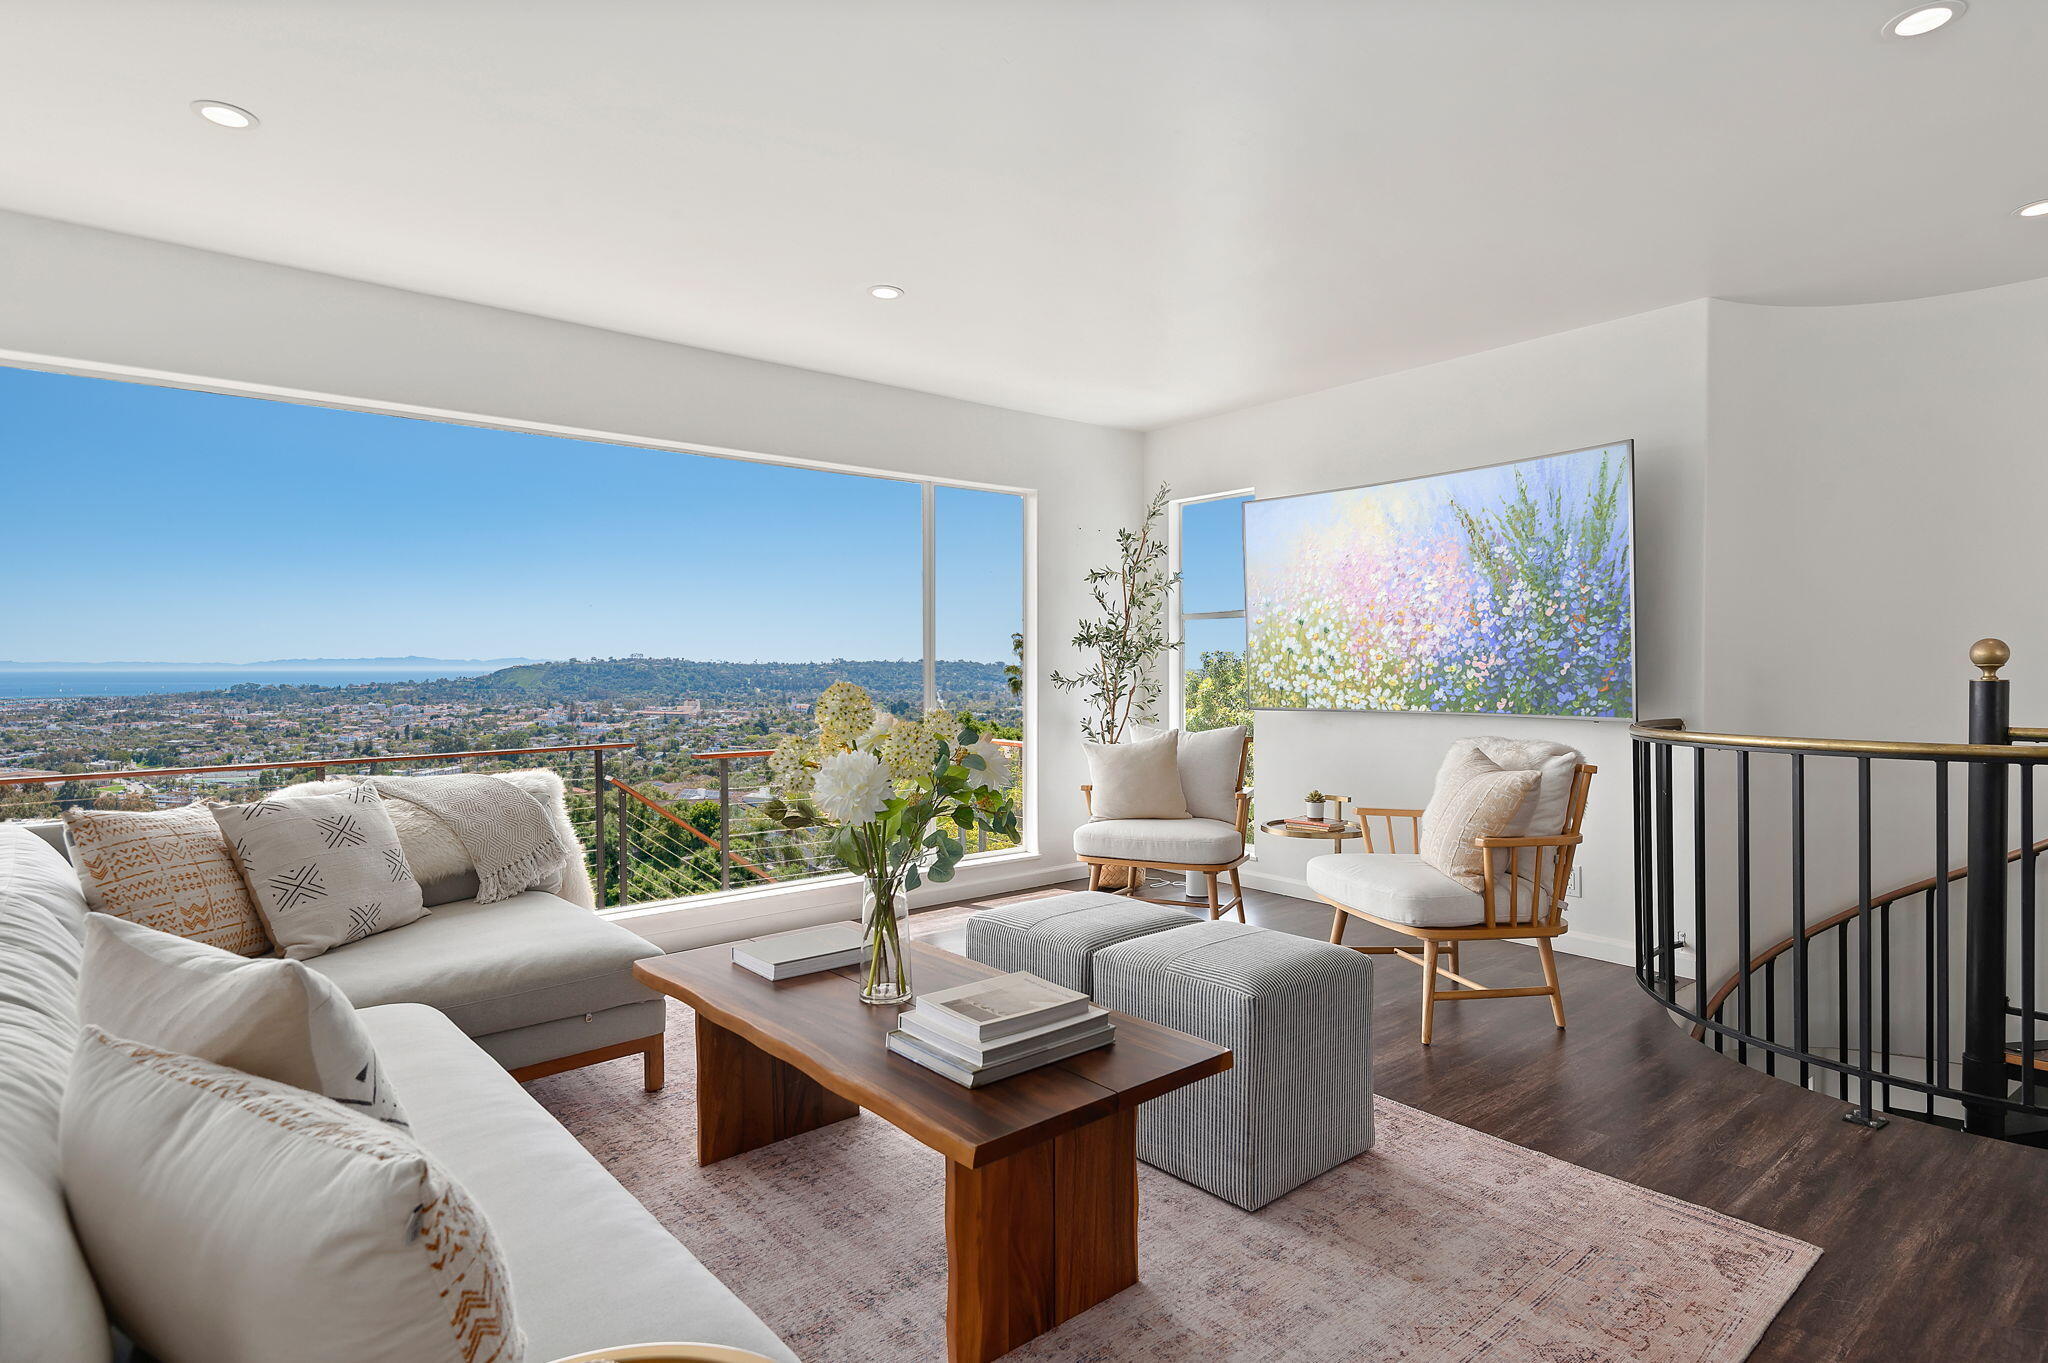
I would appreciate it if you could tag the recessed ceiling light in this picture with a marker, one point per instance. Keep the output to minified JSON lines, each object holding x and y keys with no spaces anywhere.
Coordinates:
{"x":224,"y":115}
{"x":885,"y":291}
{"x":1924,"y":19}
{"x":2036,"y":209}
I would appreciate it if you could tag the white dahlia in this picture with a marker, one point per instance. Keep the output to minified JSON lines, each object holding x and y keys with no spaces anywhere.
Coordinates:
{"x":851,"y":787}
{"x":909,"y":750}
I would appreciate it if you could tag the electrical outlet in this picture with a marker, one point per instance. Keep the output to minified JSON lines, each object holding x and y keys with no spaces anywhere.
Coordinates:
{"x":1575,"y":888}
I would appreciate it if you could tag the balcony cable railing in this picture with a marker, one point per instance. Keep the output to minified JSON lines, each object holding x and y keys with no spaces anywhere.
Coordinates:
{"x":1875,"y":1002}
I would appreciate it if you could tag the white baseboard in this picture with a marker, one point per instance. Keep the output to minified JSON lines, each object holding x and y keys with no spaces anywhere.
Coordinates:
{"x":1592,"y":945}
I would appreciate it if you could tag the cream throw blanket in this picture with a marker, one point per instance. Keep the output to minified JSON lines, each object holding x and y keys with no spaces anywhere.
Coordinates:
{"x":508,"y":835}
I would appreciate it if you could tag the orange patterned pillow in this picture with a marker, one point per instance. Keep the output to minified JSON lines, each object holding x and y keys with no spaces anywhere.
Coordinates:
{"x":169,"y":870}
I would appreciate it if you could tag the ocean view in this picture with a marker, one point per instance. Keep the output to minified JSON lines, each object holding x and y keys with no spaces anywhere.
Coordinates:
{"x":29,"y":685}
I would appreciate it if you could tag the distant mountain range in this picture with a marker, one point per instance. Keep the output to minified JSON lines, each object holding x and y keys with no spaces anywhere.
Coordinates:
{"x":662,"y":680}
{"x":408,"y":663}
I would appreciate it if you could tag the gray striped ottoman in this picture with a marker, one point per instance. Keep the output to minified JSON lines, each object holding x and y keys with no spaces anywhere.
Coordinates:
{"x":1056,"y":938}
{"x":1297,"y":1016}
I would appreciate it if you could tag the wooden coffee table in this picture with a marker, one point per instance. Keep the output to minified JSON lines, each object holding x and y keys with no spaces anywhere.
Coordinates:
{"x":1042,"y":1168}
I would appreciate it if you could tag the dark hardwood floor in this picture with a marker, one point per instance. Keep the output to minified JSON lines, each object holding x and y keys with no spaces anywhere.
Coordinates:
{"x":1936,"y":1242}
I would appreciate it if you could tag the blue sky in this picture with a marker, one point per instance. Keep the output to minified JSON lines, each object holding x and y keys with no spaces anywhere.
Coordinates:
{"x":195,"y":527}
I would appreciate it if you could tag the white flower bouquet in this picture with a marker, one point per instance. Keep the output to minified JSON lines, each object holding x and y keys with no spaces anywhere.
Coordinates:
{"x":898,"y":795}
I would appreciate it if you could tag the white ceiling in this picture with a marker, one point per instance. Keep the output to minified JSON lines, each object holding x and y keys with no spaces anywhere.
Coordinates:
{"x":1122,"y":211}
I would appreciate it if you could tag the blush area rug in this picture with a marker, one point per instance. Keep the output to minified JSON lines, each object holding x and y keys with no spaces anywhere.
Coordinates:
{"x":1440,"y":1244}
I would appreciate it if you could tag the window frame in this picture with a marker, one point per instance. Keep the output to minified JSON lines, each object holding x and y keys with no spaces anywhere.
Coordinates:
{"x":1177,"y":615}
{"x":659,"y":919}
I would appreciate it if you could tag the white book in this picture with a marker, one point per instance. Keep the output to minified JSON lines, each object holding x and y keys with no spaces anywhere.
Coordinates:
{"x":1009,"y":1048}
{"x":804,"y":951}
{"x":918,"y":1052}
{"x":988,"y":1010}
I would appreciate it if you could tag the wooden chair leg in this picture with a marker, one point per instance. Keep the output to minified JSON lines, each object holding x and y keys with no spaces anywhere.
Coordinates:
{"x":1428,"y":989}
{"x":1550,"y":978}
{"x":1237,"y":890}
{"x":1337,"y":928}
{"x":1456,"y":969}
{"x":1215,"y":902}
{"x":653,"y":1072}
{"x":1094,"y":876}
{"x":1139,"y":875}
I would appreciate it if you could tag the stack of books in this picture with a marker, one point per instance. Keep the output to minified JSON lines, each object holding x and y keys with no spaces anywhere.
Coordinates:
{"x":785,"y":955}
{"x":1321,"y":825}
{"x":975,"y":1034}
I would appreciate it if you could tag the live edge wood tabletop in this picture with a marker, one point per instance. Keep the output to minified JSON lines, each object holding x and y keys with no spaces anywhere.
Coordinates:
{"x":1041,"y":1174}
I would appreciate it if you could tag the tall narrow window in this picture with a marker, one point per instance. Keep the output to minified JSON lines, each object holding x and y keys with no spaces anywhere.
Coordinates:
{"x":1210,"y":613}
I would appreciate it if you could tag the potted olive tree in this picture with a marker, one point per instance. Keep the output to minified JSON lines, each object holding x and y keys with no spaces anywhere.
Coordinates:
{"x":1125,"y":640}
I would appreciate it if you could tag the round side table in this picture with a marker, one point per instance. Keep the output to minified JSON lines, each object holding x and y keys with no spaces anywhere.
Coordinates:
{"x":1345,"y":831}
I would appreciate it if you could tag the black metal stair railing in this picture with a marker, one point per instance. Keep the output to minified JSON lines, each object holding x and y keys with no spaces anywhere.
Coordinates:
{"x":1844,"y":1001}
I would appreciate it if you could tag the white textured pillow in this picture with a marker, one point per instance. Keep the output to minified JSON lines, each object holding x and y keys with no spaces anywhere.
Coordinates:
{"x":167,"y":869}
{"x":270,"y":1018}
{"x":326,"y":870}
{"x":237,"y":1220}
{"x":1137,"y":779}
{"x":1211,"y":763}
{"x":437,"y":857}
{"x":1474,"y":798}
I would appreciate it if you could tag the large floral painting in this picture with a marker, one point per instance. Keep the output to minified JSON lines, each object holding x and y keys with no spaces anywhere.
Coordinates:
{"x":1501,"y":590}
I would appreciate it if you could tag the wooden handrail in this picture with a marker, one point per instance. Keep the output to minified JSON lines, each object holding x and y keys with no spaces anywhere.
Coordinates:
{"x":1777,"y":949}
{"x":693,"y":830}
{"x":770,"y":752}
{"x":58,"y":778}
{"x":1849,"y":747}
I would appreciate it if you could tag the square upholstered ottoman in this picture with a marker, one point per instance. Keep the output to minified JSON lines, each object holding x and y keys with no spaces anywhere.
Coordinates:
{"x":1297,"y":1017}
{"x":1056,"y":938}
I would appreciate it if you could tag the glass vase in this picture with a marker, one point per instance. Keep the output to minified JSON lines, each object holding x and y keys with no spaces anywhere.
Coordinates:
{"x":885,"y":970}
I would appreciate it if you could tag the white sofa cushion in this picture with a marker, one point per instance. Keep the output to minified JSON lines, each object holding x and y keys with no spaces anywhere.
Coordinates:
{"x":590,"y":1266}
{"x":49,"y":1306}
{"x":1403,"y":888}
{"x":1153,"y":842}
{"x":529,"y":959}
{"x":325,"y":869}
{"x":1474,"y":798}
{"x":1136,"y":779}
{"x":236,"y":1220}
{"x":270,"y":1018}
{"x":1210,"y":760}
{"x":167,"y":869}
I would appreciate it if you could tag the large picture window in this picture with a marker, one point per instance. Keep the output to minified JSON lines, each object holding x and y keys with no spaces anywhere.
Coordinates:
{"x":289,"y":590}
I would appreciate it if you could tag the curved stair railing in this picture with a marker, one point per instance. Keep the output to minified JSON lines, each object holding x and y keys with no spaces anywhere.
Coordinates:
{"x":1875,"y":1003}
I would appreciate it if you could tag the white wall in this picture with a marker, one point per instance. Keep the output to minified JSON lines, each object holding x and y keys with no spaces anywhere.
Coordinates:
{"x":1640,"y":378}
{"x":86,"y":298}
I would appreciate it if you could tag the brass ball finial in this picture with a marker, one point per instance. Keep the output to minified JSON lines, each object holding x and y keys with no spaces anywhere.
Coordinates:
{"x":1990,"y":655}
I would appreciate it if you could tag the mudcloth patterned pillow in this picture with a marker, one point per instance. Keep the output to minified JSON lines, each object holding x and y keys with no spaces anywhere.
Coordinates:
{"x":326,"y":870}
{"x":167,"y":870}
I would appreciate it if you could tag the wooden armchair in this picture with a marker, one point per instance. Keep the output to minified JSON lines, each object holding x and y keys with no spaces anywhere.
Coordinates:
{"x":1213,"y":848}
{"x":1522,"y":897}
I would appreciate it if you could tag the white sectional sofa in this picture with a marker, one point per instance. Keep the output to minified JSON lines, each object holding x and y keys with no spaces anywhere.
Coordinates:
{"x":589,"y":1267}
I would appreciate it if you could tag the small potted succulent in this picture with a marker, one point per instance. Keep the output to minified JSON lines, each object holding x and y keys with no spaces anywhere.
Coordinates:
{"x":1313,"y":804}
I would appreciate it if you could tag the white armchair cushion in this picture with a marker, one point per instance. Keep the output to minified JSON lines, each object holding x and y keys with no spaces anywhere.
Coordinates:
{"x":1139,"y":779}
{"x":1153,"y":842}
{"x":1555,"y":765}
{"x":1401,"y":887}
{"x":1211,"y":761}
